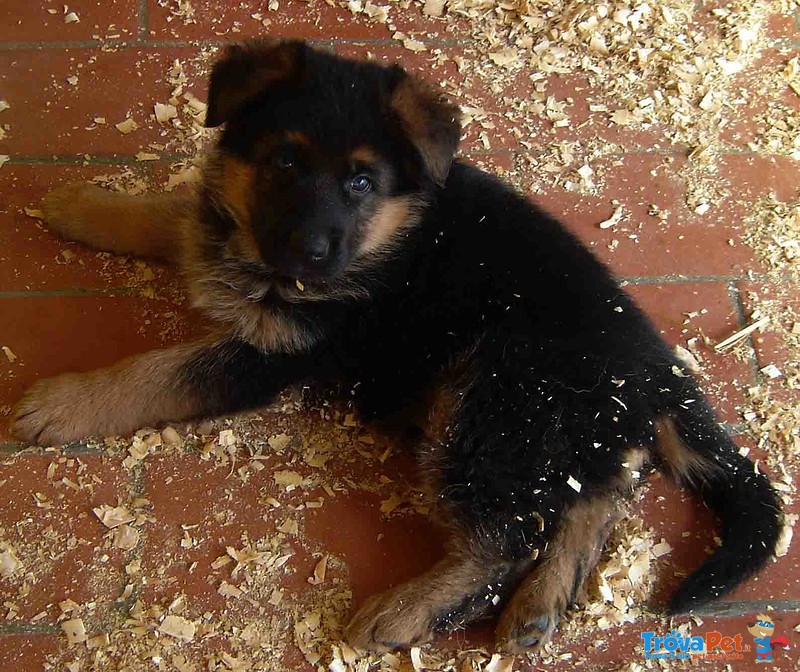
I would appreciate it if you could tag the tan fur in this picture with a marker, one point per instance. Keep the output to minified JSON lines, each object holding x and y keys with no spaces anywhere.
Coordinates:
{"x":407,"y":615}
{"x":216,"y":293}
{"x":393,"y":216}
{"x":136,"y":392}
{"x":534,"y":609}
{"x":147,"y":226}
{"x":682,"y":464}
{"x":364,"y":155}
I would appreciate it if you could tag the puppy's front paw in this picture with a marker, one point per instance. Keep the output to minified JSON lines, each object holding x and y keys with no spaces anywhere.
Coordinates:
{"x":397,"y":619}
{"x":68,"y":209}
{"x":55,"y":411}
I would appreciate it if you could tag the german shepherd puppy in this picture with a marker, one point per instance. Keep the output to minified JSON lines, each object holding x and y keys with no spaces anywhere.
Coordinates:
{"x":335,"y":239}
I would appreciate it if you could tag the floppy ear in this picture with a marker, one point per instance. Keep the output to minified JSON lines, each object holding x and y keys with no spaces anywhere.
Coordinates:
{"x":431,"y":123}
{"x":248,"y":71}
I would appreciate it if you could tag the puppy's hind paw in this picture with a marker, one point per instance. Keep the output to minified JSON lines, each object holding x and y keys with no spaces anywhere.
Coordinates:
{"x":393,"y":620}
{"x":525,"y":628}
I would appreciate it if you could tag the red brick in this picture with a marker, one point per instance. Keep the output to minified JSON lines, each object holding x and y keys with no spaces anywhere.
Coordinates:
{"x":60,"y":544}
{"x":303,"y":20}
{"x":781,"y":301}
{"x":751,"y":118}
{"x":60,"y":334}
{"x":28,"y":653}
{"x":108,"y":20}
{"x":723,"y":376}
{"x":49,"y":116}
{"x":685,"y":244}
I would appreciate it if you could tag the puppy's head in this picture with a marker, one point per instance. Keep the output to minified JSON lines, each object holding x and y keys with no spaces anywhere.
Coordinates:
{"x":323,"y":160}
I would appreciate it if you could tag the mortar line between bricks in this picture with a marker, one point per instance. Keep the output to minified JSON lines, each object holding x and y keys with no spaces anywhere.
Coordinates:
{"x":82,"y":160}
{"x":76,"y":448}
{"x":747,"y":607}
{"x":7,"y":629}
{"x":136,"y":489}
{"x":738,"y":304}
{"x":143,"y":20}
{"x":141,"y":43}
{"x":677,"y":279}
{"x":60,"y":293}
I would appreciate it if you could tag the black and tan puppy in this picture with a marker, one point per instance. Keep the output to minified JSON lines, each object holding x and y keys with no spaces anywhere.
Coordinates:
{"x":334,"y":239}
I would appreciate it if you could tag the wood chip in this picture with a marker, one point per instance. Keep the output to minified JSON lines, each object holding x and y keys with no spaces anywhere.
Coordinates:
{"x":741,"y":335}
{"x":127,"y":126}
{"x":500,"y":664}
{"x":433,"y":7}
{"x":74,"y":630}
{"x":126,"y":537}
{"x":319,"y":572}
{"x":288,"y":479}
{"x":164,"y":113}
{"x":279,"y":442}
{"x":615,"y":218}
{"x":9,"y":563}
{"x":113,"y":517}
{"x":178,"y":627}
{"x":10,"y":356}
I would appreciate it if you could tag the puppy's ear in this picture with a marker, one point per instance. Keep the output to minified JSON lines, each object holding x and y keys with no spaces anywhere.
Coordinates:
{"x":432,"y":124}
{"x":246,"y":72}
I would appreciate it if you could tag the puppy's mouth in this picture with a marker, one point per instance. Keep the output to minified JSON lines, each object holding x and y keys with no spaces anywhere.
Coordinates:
{"x":258,"y":282}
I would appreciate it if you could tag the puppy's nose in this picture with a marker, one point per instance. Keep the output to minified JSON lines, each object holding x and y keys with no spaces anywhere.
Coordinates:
{"x":317,"y":248}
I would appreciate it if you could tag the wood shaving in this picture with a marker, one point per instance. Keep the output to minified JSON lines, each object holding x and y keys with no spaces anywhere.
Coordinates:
{"x":178,"y":627}
{"x":126,"y":126}
{"x":75,"y":631}
{"x":615,"y":218}
{"x":113,"y":516}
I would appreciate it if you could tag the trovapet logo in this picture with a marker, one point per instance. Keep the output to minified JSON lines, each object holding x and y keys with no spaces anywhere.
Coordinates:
{"x":714,"y":645}
{"x":677,"y":646}
{"x":763,"y":630}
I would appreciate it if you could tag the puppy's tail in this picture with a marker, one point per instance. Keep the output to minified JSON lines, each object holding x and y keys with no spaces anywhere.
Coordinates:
{"x":699,"y":455}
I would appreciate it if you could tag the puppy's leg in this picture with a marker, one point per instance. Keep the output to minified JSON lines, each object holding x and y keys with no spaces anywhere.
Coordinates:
{"x":145,"y":226}
{"x":459,"y":589}
{"x":174,"y":384}
{"x":530,"y":617}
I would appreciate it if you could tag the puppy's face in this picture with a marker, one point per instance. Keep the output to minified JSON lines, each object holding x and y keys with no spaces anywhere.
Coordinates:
{"x":323,"y":161}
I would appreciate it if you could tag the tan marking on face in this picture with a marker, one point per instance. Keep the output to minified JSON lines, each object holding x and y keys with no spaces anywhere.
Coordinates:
{"x":236,"y":188}
{"x":364,"y":155}
{"x":392,"y":217}
{"x":298,"y":137}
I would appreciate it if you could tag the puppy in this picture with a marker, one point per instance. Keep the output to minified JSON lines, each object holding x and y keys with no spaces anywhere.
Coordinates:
{"x":335,"y":239}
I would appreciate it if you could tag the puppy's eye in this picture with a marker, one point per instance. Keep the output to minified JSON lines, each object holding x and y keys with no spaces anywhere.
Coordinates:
{"x":284,"y":161}
{"x":360,"y":184}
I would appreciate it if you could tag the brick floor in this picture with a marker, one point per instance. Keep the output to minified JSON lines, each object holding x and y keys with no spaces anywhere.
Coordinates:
{"x":67,"y":308}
